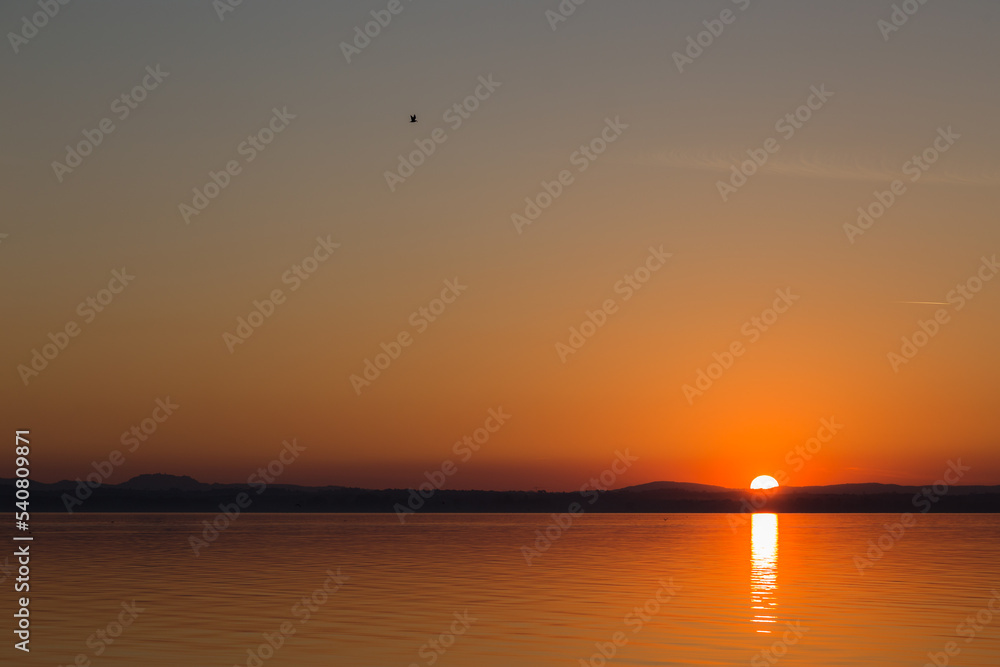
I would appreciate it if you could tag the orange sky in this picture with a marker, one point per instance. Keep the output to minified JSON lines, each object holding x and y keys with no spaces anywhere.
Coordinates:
{"x":495,"y":345}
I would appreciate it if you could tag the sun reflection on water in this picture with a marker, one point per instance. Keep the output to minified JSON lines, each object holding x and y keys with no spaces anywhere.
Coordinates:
{"x":764,"y":570}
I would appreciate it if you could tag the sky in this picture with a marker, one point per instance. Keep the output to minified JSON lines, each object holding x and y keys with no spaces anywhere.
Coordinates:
{"x":602,"y":169}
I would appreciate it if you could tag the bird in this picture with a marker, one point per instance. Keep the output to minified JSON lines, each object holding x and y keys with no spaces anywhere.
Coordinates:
{"x":413,"y":119}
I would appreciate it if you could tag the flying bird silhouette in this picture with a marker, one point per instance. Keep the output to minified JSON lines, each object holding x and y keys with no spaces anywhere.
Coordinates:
{"x":413,"y":119}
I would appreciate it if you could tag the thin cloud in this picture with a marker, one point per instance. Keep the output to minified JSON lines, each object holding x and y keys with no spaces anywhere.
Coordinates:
{"x":836,"y":167}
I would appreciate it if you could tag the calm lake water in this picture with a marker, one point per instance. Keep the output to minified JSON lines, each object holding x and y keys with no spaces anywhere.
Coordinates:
{"x":671,"y":589}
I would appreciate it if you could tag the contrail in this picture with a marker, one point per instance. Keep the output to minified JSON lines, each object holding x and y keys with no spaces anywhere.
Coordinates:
{"x":928,"y":303}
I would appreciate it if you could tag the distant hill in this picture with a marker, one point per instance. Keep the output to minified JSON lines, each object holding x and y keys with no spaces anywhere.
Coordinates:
{"x":872,"y":488}
{"x":162,"y":482}
{"x":180,"y":493}
{"x":866,"y":488}
{"x":682,"y":486}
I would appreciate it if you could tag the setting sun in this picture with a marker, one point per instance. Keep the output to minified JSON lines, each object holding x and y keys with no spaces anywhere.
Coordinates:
{"x":764,"y":482}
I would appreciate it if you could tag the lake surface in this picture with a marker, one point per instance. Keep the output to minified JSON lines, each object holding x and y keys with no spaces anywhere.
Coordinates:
{"x":646,"y":589}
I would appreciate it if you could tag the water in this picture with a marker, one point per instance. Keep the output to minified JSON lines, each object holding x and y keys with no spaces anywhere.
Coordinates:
{"x":708,"y":593}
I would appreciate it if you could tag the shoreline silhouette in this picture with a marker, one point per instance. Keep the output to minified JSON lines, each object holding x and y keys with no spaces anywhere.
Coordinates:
{"x":170,"y":493}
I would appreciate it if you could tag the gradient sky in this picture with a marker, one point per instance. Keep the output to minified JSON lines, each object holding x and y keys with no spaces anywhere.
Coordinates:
{"x":495,"y":346}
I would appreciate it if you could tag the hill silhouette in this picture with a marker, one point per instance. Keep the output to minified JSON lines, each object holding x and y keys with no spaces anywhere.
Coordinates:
{"x":162,"y":482}
{"x":174,"y":493}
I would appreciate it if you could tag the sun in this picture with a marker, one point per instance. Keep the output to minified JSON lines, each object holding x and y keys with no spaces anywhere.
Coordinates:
{"x":764,"y":482}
